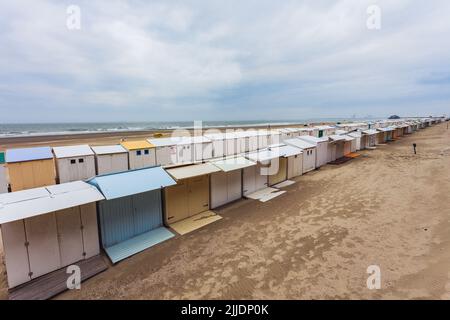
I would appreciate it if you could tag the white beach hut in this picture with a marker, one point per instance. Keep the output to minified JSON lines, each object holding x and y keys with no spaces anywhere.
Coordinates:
{"x":278,"y":163}
{"x":309,"y":152}
{"x":166,"y":150}
{"x":110,"y":159}
{"x":323,"y":131}
{"x":336,"y":148}
{"x":74,"y":163}
{"x":218,"y":144}
{"x":369,"y":138}
{"x":349,"y":144}
{"x":202,"y":148}
{"x":322,"y":146}
{"x":356,"y":146}
{"x":226,"y":185}
{"x":47,"y":228}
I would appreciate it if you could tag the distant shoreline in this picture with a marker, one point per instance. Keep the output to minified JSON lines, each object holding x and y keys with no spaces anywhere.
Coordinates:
{"x":114,"y":137}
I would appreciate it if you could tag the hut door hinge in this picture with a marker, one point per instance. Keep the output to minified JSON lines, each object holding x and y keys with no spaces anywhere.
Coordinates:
{"x":82,"y":227}
{"x":30,"y":274}
{"x":84,"y":254}
{"x":26,"y":244}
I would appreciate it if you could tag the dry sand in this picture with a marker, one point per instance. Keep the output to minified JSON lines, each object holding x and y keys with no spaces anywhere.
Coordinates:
{"x":388,"y":207}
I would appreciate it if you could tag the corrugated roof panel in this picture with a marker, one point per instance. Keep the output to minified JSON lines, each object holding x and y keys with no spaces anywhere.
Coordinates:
{"x":112,"y":149}
{"x":355,"y":134}
{"x":191,"y":171}
{"x":137,"y":145}
{"x":264,"y":155}
{"x":324,"y":127}
{"x":233,"y":163}
{"x":215,"y":136}
{"x":28,"y":154}
{"x":117,"y":185}
{"x":200,"y":139}
{"x":370,"y":132}
{"x":299,"y":143}
{"x":336,"y":137}
{"x":313,"y":140}
{"x":348,"y":138}
{"x":385,"y":129}
{"x":164,"y":142}
{"x":289,"y":151}
{"x":73,"y":151}
{"x":33,"y":202}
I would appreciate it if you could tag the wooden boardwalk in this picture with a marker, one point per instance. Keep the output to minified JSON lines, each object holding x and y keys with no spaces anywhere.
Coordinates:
{"x":51,"y":284}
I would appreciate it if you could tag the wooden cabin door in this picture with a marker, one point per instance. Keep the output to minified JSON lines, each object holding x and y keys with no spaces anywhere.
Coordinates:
{"x":281,"y":174}
{"x":249,"y":180}
{"x":70,"y":237}
{"x":90,"y":230}
{"x":198,"y":194}
{"x":177,"y":202}
{"x":218,"y":189}
{"x":234,"y":185}
{"x":14,"y":239}
{"x":43,"y":247}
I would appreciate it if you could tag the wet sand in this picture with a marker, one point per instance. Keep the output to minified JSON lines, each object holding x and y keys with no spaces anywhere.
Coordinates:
{"x":388,"y":207}
{"x":105,"y":138}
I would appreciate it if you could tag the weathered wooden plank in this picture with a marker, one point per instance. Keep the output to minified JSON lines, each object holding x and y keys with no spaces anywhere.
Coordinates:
{"x":51,"y":284}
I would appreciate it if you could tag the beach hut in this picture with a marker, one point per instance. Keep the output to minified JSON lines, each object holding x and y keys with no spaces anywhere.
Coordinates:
{"x":294,"y":158}
{"x":336,"y":151}
{"x":307,"y":131}
{"x":110,"y":159}
{"x":131,"y":216}
{"x":185,"y":150}
{"x":369,"y":138}
{"x":323,"y":131}
{"x":3,"y":182}
{"x":226,"y":185}
{"x":191,"y":195}
{"x":385,"y":134}
{"x":30,"y":168}
{"x":235,"y":143}
{"x":254,"y":179}
{"x":322,"y":146}
{"x":276,"y":164}
{"x":407,"y":128}
{"x":356,"y":144}
{"x":74,"y":163}
{"x":309,"y":153}
{"x":47,"y":228}
{"x":141,"y":154}
{"x":165,"y":150}
{"x":349,"y":144}
{"x":202,"y":148}
{"x":285,"y":133}
{"x":218,"y":144}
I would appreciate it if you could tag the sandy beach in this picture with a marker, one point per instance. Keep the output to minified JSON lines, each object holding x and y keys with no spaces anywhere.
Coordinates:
{"x":388,"y":207}
{"x":105,"y":138}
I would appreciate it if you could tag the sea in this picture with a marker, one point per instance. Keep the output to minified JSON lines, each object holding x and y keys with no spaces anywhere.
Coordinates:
{"x":38,"y":129}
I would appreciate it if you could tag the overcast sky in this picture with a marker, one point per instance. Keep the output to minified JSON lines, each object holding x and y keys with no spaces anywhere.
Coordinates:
{"x":222,"y":60}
